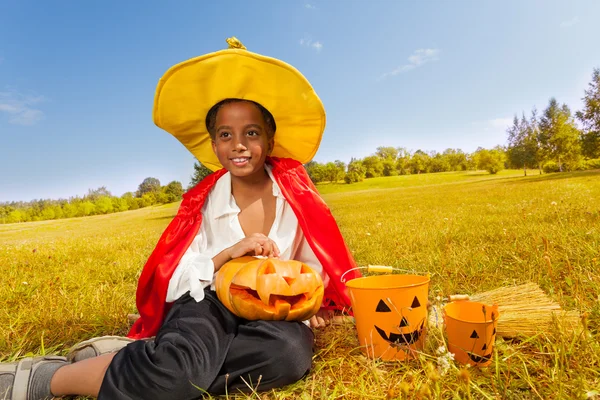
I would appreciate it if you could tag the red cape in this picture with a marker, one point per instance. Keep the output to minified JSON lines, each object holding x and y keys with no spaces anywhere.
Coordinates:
{"x":314,"y":217}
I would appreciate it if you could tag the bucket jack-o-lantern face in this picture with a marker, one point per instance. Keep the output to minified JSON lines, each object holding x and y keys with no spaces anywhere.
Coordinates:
{"x":408,"y":329}
{"x":483,"y":354}
{"x":391,"y":314}
{"x":269,"y":289}
{"x":471,"y":330}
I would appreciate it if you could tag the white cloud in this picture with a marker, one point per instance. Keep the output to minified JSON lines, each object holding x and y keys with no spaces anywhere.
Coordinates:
{"x":310,"y":6}
{"x":569,"y":23}
{"x":315,"y":44}
{"x":21,"y":107}
{"x":418,"y":58}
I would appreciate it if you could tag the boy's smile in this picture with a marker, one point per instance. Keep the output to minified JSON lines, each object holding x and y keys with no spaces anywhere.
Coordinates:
{"x":241,"y":139}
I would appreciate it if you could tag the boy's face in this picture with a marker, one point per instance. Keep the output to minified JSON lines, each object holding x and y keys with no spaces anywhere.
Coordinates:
{"x":241,"y":140}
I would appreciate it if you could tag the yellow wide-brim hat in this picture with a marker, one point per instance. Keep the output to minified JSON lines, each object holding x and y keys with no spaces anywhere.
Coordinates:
{"x":188,"y":90}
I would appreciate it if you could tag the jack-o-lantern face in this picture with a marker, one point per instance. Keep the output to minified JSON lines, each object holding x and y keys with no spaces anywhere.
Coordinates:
{"x":471,"y":330}
{"x":391,"y":314}
{"x":407,"y":334}
{"x":269,"y":289}
{"x":485,"y":353}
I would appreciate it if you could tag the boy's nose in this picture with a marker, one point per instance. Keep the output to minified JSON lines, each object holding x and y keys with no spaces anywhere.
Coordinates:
{"x":240,"y":145}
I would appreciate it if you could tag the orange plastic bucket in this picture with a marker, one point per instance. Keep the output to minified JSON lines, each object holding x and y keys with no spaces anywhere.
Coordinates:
{"x":471,"y":331}
{"x":390,"y":313}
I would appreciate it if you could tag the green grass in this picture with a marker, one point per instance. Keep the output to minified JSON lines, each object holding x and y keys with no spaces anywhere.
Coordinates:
{"x":64,"y":281}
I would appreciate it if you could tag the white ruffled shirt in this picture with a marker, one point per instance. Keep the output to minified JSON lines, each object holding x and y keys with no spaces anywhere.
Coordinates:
{"x":221,"y":229}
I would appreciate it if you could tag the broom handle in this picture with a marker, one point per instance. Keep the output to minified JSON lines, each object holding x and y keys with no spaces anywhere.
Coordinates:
{"x":458,"y":297}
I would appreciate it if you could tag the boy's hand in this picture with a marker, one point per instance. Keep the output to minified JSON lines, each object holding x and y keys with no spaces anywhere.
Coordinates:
{"x":256,"y":244}
{"x":321,"y":319}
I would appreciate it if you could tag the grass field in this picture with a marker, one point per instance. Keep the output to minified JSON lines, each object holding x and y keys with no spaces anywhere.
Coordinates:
{"x":67,"y":280}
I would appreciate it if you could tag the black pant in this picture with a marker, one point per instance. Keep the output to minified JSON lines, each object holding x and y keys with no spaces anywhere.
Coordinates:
{"x":203,"y":345}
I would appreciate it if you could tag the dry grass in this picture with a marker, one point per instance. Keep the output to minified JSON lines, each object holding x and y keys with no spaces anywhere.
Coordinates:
{"x":64,"y":281}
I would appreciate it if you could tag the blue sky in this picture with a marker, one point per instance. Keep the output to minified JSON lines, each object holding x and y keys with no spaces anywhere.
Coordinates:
{"x":77,"y":79}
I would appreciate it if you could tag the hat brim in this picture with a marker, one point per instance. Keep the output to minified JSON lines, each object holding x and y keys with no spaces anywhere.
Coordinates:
{"x":188,"y":90}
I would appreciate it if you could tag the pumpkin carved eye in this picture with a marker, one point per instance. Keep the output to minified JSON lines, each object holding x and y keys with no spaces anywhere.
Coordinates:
{"x":474,"y":335}
{"x":415,"y":303}
{"x":382,"y":307}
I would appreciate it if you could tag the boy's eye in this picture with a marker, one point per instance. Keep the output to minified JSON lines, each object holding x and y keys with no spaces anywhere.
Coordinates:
{"x":224,"y":135}
{"x":253,"y":133}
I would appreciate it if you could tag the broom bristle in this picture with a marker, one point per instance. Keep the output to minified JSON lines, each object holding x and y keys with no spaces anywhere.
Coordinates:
{"x":526,"y":309}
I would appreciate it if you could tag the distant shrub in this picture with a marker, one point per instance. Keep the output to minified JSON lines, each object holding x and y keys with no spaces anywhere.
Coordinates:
{"x":592,"y":164}
{"x":551,"y":166}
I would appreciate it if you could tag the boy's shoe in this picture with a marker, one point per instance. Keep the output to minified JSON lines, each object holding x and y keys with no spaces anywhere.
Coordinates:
{"x":17,"y":381}
{"x":97,"y":347}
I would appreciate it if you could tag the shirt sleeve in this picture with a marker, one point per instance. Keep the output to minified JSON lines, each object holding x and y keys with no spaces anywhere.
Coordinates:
{"x":195,"y":270}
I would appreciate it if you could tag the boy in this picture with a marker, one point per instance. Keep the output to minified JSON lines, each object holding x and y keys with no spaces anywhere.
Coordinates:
{"x":259,"y":202}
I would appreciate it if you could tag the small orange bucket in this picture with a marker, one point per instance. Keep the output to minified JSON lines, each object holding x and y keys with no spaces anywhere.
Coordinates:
{"x":471,"y":331}
{"x":391,"y":313}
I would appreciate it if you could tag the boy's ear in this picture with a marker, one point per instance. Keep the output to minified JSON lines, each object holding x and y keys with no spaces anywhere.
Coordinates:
{"x":271,"y":146}
{"x":214,"y":146}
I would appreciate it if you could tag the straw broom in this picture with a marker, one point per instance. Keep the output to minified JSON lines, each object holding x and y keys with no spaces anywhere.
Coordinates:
{"x":524,"y":310}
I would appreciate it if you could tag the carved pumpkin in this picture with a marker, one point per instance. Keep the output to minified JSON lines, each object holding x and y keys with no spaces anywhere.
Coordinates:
{"x":391,"y":314}
{"x":269,"y":289}
{"x":471,"y":330}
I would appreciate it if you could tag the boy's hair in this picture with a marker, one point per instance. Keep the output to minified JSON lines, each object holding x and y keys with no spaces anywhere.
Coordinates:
{"x":211,"y":117}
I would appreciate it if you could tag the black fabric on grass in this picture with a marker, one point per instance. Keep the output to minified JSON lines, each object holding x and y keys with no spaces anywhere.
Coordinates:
{"x":203,"y":345}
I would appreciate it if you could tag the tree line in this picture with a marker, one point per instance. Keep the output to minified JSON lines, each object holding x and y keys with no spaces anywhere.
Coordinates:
{"x":95,"y":202}
{"x":550,"y":142}
{"x":553,"y":142}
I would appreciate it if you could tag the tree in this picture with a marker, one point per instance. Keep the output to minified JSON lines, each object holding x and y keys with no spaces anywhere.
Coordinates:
{"x":341,"y":169}
{"x":334,"y":171}
{"x":85,"y":208}
{"x":356,"y":171}
{"x":403,"y":161}
{"x":148,"y":199}
{"x":522,"y":144}
{"x":174,"y":191}
{"x":386,"y":153}
{"x":419,"y":162}
{"x":590,"y":118}
{"x":315,"y":171}
{"x":439,"y":163}
{"x":149,"y":185}
{"x":200,"y":172}
{"x":491,"y":160}
{"x":456,"y":158}
{"x":94,"y":195}
{"x":373,"y":166}
{"x":104,"y":205}
{"x":559,"y":137}
{"x":389,"y":167}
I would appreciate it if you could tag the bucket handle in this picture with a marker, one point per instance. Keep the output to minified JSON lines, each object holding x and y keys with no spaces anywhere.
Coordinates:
{"x":386,"y":269}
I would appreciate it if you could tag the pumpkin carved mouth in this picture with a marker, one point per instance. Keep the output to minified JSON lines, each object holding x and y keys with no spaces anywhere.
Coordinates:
{"x":479,"y":359}
{"x":276,"y":302}
{"x":401,"y":338}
